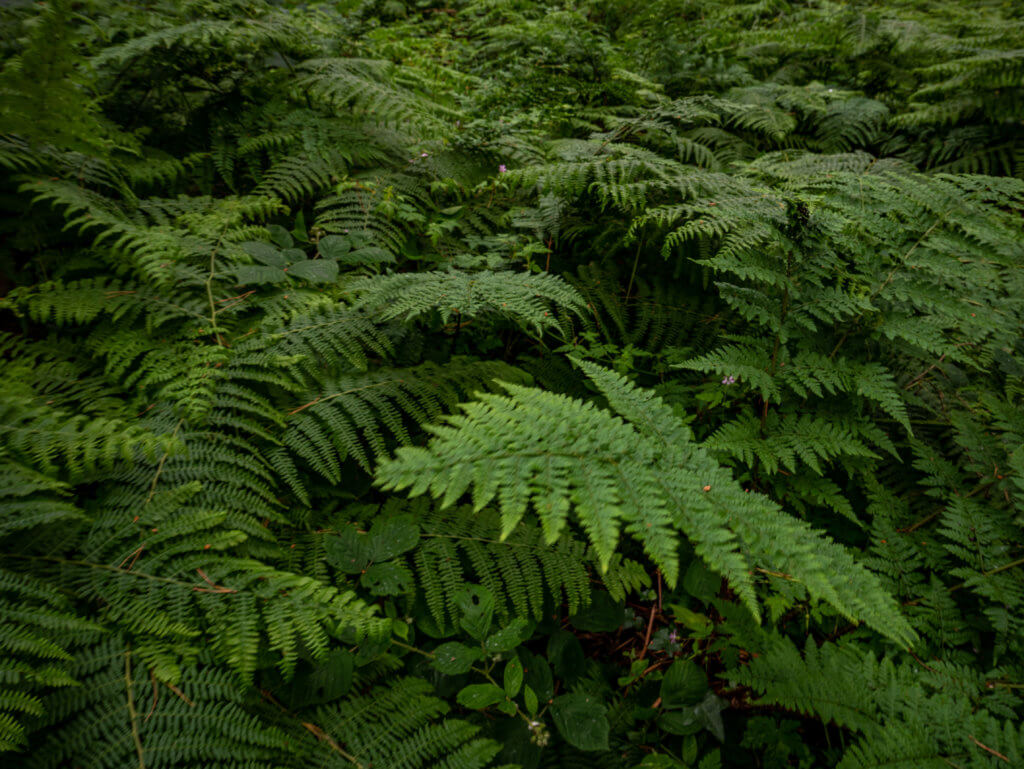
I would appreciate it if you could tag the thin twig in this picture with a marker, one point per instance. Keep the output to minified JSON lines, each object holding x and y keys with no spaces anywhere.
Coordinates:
{"x":981,"y":745}
{"x":315,"y":730}
{"x":181,"y":695}
{"x":214,"y":588}
{"x":152,"y":708}
{"x":650,"y":627}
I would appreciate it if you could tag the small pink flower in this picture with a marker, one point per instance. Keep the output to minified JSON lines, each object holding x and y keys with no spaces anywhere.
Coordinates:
{"x":423,"y":155}
{"x":729,"y":380}
{"x":502,"y":169}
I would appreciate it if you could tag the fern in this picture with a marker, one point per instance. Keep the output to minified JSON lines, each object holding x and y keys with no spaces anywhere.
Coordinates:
{"x":540,"y":447}
{"x":527,"y":576}
{"x":528,"y":299}
{"x":346,"y":417}
{"x":133,"y":719}
{"x":700,"y":322}
{"x":903,"y":719}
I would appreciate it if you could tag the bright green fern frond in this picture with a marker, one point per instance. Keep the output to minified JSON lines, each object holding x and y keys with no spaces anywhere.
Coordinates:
{"x":545,"y":452}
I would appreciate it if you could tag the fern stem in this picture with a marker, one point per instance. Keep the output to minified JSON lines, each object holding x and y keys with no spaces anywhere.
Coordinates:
{"x":650,"y":621}
{"x":209,"y":291}
{"x":128,"y":683}
{"x":318,"y":399}
{"x":506,"y":543}
{"x":981,"y":745}
{"x":160,"y":465}
{"x":315,"y":730}
{"x":101,"y":567}
{"x":1006,"y":567}
{"x":907,"y":255}
{"x":632,"y":275}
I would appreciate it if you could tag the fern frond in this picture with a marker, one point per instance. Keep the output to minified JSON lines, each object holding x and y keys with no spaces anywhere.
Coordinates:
{"x":526,"y":298}
{"x":348,"y":417}
{"x":555,"y":455}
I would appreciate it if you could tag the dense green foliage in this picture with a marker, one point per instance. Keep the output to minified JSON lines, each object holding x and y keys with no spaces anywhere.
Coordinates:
{"x":492,"y":383}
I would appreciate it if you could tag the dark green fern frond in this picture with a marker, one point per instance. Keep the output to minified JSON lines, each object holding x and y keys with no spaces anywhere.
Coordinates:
{"x":318,"y":338}
{"x":362,"y":85}
{"x":527,"y":575}
{"x":132,"y":719}
{"x":35,"y":631}
{"x":350,"y":415}
{"x":401,"y":724}
{"x":903,"y":719}
{"x":530,"y":299}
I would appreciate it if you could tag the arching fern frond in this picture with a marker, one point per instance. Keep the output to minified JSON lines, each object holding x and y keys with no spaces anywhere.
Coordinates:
{"x":545,"y":452}
{"x":363,"y":85}
{"x":530,"y":299}
{"x":351,"y":414}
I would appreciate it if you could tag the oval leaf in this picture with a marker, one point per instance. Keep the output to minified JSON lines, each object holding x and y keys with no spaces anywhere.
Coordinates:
{"x":479,"y":696}
{"x":684,"y":684}
{"x":393,"y":536}
{"x":264,"y":253}
{"x":454,"y":658}
{"x":513,"y":677}
{"x":315,"y":270}
{"x":581,"y":721}
{"x":391,"y":578}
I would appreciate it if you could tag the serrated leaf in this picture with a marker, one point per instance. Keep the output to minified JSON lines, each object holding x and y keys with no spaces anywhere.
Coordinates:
{"x":391,"y":537}
{"x":333,"y":246}
{"x":684,"y":684}
{"x":530,"y":700}
{"x":368,"y":255}
{"x":509,"y":637}
{"x":257,"y":274}
{"x":280,"y":235}
{"x":537,"y":675}
{"x":507,"y":707}
{"x":709,"y":713}
{"x":680,"y":722}
{"x":348,"y":550}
